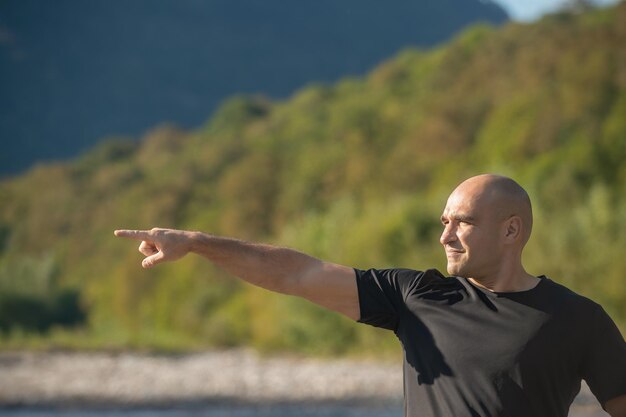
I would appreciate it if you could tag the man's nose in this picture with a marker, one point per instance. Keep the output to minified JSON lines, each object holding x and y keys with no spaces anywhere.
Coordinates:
{"x":448,"y":235}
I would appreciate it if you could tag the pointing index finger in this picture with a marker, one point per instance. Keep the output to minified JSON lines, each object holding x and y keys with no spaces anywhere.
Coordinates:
{"x":133,"y":234}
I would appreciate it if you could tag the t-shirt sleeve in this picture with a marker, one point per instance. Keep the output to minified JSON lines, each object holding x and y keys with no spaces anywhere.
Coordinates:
{"x":382,"y":295}
{"x":604,"y":367}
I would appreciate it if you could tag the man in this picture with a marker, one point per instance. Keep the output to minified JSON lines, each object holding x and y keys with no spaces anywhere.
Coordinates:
{"x":492,"y":340}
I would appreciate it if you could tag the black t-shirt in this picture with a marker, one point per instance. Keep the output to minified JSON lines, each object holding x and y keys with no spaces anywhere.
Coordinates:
{"x":471,"y":352}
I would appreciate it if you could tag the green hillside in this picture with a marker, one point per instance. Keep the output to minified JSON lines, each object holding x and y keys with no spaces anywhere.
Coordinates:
{"x":356,"y":173}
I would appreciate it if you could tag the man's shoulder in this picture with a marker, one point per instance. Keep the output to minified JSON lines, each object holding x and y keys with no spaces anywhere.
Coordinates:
{"x":566,"y":297}
{"x":405,"y":278}
{"x":405,"y":273}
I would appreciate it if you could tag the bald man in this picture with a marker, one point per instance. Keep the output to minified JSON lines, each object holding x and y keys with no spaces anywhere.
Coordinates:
{"x":490,"y":340}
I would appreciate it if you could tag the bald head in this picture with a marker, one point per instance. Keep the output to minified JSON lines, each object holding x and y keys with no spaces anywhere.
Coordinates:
{"x":501,"y":196}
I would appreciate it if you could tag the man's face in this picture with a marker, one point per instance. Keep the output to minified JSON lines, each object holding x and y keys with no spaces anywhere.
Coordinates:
{"x":471,"y":235}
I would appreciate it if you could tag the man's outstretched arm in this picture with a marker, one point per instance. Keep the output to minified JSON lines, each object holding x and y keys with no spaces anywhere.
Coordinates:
{"x":282,"y":270}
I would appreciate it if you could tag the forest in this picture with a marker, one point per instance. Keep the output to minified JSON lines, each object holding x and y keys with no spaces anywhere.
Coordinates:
{"x":355,"y":172}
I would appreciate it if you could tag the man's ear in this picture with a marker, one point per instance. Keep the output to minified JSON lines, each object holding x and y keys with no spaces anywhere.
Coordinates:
{"x":513,"y":228}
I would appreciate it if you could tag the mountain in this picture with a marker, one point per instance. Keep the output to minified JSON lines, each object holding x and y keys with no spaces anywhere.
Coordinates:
{"x":73,"y":72}
{"x":355,"y":172}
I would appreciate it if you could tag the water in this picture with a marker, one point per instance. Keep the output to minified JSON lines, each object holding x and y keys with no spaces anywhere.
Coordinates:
{"x":218,"y":411}
{"x":245,"y":411}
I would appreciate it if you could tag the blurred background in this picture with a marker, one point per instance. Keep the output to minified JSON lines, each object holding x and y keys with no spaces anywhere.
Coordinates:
{"x":335,"y":127}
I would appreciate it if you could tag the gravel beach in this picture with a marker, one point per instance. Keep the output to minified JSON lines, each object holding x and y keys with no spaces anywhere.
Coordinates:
{"x":53,"y":379}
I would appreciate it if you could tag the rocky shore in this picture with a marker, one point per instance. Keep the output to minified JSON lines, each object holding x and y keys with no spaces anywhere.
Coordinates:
{"x":132,"y":379}
{"x":64,"y":379}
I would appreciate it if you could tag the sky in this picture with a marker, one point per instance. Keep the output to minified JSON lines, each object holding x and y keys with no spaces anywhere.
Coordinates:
{"x":529,"y":10}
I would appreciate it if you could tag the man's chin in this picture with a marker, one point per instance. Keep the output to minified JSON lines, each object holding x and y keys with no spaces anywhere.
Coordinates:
{"x":454,"y":270}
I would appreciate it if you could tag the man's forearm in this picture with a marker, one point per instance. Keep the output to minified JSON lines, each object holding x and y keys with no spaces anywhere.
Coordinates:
{"x":274,"y":268}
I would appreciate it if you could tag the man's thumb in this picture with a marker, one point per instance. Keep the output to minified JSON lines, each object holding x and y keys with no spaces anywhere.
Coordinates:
{"x":152,"y":260}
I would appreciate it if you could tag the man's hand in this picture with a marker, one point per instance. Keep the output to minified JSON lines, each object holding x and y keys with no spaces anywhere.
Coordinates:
{"x":617,"y":406}
{"x":160,"y":245}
